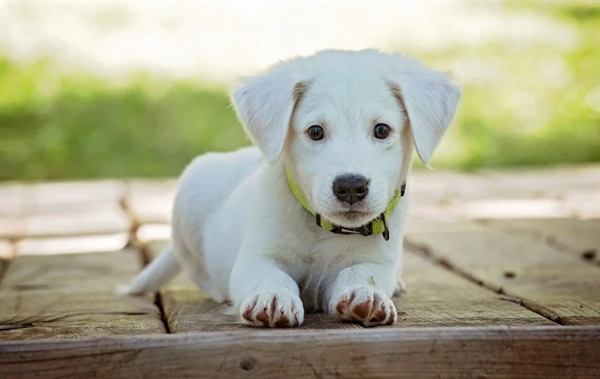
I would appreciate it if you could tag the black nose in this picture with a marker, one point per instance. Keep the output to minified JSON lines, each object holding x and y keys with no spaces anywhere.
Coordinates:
{"x":350,"y":188}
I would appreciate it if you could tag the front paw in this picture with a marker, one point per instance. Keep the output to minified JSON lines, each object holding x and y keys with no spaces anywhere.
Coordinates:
{"x":362,"y":304}
{"x":275,"y":309}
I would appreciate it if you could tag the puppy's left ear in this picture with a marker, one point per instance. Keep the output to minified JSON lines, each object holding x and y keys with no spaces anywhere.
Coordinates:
{"x":265,"y":104}
{"x":430,"y":101}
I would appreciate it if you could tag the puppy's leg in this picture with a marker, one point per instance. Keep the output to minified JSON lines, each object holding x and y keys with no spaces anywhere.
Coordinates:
{"x":359,"y":293}
{"x":266,"y":295}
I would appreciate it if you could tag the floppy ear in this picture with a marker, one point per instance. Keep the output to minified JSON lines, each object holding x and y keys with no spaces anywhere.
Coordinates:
{"x":264,"y":104}
{"x":430,"y":101}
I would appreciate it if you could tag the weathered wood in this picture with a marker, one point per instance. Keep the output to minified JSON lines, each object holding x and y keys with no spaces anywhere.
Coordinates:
{"x":55,"y":198}
{"x":13,"y":199}
{"x":72,"y":244}
{"x":435,"y":297}
{"x":3,"y":268}
{"x":12,"y":227}
{"x":557,"y":192}
{"x":498,"y":352}
{"x":580,"y":238}
{"x":553,"y":284}
{"x":548,"y":181}
{"x":69,"y":296}
{"x":438,"y":297}
{"x":148,"y":233}
{"x":509,"y":208}
{"x":59,"y":197}
{"x":102,"y":219}
{"x":7,"y":249}
{"x":567,"y":191}
{"x":151,"y":201}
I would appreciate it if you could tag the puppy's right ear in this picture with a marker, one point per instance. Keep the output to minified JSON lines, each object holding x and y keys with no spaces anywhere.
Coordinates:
{"x":265,"y":104}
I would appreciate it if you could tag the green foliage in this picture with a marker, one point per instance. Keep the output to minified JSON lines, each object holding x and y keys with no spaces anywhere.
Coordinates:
{"x":525,"y":103}
{"x":531,"y":103}
{"x":76,"y":126}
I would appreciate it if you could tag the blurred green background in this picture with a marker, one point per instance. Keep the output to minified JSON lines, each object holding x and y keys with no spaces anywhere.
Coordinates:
{"x":534,"y":103}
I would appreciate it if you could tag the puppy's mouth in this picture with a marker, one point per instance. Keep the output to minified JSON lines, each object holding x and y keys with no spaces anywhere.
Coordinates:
{"x":352,"y":218}
{"x":352,"y":214}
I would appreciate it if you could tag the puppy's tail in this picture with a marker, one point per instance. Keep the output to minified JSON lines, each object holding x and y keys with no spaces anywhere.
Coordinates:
{"x":158,"y":273}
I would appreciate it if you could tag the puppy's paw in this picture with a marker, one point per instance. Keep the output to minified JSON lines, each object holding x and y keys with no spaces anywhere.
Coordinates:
{"x":275,"y":309}
{"x":362,"y":304}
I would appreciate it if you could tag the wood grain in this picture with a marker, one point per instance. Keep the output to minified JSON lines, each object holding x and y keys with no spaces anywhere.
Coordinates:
{"x":59,"y":197}
{"x":579,"y":238}
{"x":72,"y":244}
{"x":497,"y":352}
{"x":556,"y":285}
{"x":435,"y":297}
{"x":438,"y":297}
{"x":151,"y":201}
{"x":574,"y":189}
{"x":70,"y":296}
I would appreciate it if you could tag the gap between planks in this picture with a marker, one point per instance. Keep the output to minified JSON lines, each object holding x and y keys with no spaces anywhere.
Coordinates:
{"x":448,"y":265}
{"x":554,"y":285}
{"x":144,"y":256}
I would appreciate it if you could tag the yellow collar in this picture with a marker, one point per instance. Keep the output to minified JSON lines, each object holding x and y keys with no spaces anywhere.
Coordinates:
{"x":376,"y":226}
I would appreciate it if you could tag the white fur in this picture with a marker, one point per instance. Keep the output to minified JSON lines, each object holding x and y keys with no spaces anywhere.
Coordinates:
{"x":240,"y":233}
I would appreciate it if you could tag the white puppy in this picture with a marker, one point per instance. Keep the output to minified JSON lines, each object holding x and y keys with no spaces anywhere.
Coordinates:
{"x":312,"y":218}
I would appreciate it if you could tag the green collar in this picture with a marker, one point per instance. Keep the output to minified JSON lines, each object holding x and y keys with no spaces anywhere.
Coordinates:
{"x":376,"y":226}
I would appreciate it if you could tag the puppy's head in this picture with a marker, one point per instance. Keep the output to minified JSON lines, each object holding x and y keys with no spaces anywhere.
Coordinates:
{"x":346,"y":123}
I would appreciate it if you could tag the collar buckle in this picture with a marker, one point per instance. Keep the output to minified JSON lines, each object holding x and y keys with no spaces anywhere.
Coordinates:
{"x":386,"y":230}
{"x":364,"y":230}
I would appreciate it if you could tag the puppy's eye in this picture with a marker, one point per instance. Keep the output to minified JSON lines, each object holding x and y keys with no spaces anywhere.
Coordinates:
{"x":381,"y":131}
{"x":315,"y":133}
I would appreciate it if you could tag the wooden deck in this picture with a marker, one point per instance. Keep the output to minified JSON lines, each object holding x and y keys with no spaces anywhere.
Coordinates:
{"x":502,"y":269}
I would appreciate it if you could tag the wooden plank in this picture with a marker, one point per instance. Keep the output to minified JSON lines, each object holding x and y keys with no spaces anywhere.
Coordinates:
{"x":570,"y":191}
{"x":7,"y":252}
{"x":556,"y":285}
{"x":69,"y":296}
{"x":499,"y":352}
{"x":564,"y":191}
{"x":151,"y":201}
{"x":100,"y":219}
{"x":107,"y":219}
{"x":582,"y":203}
{"x":436,"y":297}
{"x":3,"y":267}
{"x":7,"y":249}
{"x":12,"y":227}
{"x":548,"y":181}
{"x":147,"y":233}
{"x":580,"y":238}
{"x":72,"y":196}
{"x":72,"y":244}
{"x":13,"y":199}
{"x":19,"y":199}
{"x":509,"y":208}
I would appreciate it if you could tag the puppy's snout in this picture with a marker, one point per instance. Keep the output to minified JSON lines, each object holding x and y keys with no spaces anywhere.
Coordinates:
{"x":350,"y":188}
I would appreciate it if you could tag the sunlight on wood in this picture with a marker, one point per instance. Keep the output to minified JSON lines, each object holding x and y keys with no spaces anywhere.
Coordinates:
{"x":154,"y":232}
{"x":517,"y":208}
{"x":73,"y":245}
